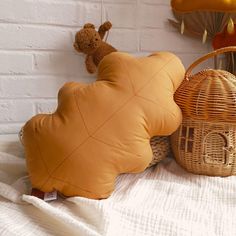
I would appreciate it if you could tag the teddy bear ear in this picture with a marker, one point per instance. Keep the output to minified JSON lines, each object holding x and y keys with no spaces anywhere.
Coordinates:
{"x":89,"y":25}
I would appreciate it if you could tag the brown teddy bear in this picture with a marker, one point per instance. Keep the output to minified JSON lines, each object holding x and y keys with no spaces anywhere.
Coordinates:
{"x":90,"y":42}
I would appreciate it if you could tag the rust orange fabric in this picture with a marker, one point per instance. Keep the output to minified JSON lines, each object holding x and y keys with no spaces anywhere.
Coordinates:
{"x":204,"y":5}
{"x":102,"y":129}
{"x":224,"y":39}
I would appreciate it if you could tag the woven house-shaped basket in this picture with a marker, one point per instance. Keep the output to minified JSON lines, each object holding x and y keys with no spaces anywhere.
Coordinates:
{"x":205,"y":143}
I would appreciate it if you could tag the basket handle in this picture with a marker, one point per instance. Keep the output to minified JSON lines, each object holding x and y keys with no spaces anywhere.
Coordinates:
{"x":207,"y":56}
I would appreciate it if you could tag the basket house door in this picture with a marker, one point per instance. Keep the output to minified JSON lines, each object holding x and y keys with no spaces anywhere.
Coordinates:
{"x":215,"y":145}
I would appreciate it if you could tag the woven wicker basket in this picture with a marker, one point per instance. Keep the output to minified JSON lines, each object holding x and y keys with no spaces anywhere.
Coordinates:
{"x":206,"y":140}
{"x":160,"y":148}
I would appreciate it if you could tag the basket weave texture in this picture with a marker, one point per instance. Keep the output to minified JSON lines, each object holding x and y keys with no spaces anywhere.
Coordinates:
{"x":160,"y":148}
{"x":205,"y":143}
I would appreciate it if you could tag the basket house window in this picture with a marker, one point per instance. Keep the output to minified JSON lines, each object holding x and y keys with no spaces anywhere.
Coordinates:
{"x":215,"y":148}
{"x":187,"y":138}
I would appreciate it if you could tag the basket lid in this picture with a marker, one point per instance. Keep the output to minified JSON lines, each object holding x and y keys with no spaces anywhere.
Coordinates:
{"x":209,"y":95}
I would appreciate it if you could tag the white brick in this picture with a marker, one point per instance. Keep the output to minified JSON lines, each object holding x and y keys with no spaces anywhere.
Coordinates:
{"x":15,"y":63}
{"x":116,"y":1}
{"x":120,"y":1}
{"x":122,"y":15}
{"x":33,"y":87}
{"x":59,"y":13}
{"x":46,"y":106}
{"x":92,"y":13}
{"x":161,"y":40}
{"x":60,"y":63}
{"x":34,"y":37}
{"x":88,"y":78}
{"x":124,"y":40}
{"x":154,"y":16}
{"x":15,"y":110}
{"x":188,"y":59}
{"x":10,"y":128}
{"x":111,"y":12}
{"x":164,"y":2}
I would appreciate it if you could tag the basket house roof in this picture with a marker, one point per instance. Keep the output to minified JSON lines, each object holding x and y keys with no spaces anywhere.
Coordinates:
{"x":209,"y":95}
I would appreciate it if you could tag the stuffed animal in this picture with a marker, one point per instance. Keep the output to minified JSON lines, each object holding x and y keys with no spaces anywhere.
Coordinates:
{"x":103,"y":129}
{"x":90,"y":42}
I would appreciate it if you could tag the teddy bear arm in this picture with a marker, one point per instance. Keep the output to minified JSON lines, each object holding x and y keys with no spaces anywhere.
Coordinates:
{"x":104,"y":28}
{"x":91,"y":67}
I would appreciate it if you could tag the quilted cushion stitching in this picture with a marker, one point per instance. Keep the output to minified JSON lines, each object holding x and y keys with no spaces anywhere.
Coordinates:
{"x":149,"y":100}
{"x":151,"y":78}
{"x":50,"y":174}
{"x":41,"y":157}
{"x":76,"y":149}
{"x":110,"y":145}
{"x":76,"y":102}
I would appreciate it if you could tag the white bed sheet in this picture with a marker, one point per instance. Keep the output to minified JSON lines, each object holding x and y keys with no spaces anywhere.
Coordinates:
{"x":162,"y":201}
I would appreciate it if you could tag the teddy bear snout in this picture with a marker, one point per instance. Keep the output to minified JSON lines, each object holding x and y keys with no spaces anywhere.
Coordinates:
{"x":94,"y":43}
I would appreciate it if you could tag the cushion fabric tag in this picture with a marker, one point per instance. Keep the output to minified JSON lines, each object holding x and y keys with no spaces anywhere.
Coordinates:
{"x":50,"y":196}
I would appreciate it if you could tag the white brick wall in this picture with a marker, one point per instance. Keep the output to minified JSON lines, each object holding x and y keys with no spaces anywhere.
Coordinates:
{"x":37,"y":57}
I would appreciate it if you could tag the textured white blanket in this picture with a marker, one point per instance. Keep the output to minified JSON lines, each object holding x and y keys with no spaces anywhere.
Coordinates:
{"x":162,"y":201}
